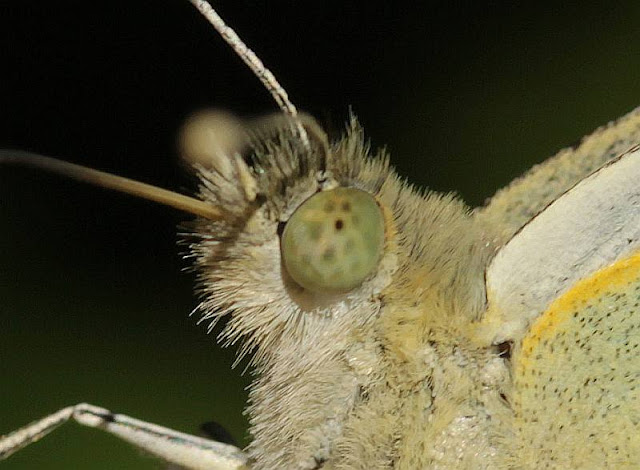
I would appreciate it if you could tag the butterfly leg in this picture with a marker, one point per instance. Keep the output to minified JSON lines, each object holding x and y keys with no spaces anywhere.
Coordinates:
{"x":187,"y":451}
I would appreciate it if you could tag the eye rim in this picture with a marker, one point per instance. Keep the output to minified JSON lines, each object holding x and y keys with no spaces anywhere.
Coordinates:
{"x":377,"y":240}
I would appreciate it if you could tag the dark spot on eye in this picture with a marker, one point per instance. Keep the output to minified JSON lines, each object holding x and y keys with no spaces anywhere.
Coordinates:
{"x":329,"y":254}
{"x":315,"y":231}
{"x":346,"y":206}
{"x":280,"y":228}
{"x":339,"y":224}
{"x":330,"y":206}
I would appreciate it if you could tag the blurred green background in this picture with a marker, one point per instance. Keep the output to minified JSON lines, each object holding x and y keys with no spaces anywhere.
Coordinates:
{"x":93,"y":304}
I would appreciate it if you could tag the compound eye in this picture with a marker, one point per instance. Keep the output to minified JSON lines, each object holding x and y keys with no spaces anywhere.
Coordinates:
{"x":334,"y":240}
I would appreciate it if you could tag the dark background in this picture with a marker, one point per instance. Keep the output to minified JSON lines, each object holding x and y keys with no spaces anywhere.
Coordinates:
{"x":93,"y":304}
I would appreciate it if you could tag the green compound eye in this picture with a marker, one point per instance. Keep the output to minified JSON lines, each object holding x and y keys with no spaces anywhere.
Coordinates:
{"x":334,"y":240}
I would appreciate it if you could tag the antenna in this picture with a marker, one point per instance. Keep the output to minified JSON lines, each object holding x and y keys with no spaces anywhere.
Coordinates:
{"x":150,"y":192}
{"x":254,"y":63}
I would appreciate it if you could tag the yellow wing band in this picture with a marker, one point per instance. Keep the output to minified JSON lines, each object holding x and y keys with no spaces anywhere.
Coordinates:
{"x":616,"y":277}
{"x":576,"y":377}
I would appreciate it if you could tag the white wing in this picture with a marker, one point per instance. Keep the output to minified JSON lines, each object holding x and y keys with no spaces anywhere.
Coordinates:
{"x":587,"y":228}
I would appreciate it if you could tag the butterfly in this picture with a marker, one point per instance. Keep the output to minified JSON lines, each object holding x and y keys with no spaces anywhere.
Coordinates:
{"x":584,"y":129}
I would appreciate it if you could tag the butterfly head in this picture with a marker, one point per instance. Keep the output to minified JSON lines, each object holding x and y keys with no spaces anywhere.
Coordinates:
{"x":306,"y":233}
